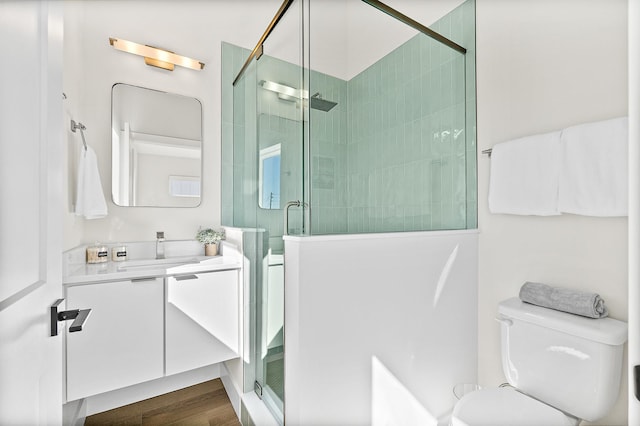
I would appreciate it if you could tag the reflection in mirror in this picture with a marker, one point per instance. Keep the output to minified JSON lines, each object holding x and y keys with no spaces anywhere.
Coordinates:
{"x":269,"y":175}
{"x":156,"y":143}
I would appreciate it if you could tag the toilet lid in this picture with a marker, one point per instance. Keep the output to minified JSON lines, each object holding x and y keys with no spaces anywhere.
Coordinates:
{"x":505,"y":406}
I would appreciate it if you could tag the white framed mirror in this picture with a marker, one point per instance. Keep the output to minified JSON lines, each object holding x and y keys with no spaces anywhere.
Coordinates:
{"x":156,"y":148}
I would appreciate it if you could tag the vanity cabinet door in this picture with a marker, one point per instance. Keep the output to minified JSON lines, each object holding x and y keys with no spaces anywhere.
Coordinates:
{"x":121,"y":343}
{"x":202,"y":320}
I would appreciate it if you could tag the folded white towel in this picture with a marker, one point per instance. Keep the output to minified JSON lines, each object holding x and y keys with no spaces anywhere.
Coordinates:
{"x":524,"y":176}
{"x":594,"y":172}
{"x":90,"y":201}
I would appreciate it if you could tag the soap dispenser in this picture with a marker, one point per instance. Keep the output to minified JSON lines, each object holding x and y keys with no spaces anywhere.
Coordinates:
{"x":159,"y":245}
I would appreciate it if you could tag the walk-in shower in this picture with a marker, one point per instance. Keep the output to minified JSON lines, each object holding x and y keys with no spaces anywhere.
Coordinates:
{"x":347,"y":117}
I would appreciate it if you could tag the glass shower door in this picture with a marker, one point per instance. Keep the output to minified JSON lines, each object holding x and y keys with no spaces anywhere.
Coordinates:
{"x":267,"y":182}
{"x":280,"y":112}
{"x":280,"y":207}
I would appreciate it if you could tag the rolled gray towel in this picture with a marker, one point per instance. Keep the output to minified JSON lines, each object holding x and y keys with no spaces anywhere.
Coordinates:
{"x":563,"y":299}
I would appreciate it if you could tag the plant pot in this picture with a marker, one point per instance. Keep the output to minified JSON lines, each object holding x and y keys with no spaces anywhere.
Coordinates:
{"x":211,"y":249}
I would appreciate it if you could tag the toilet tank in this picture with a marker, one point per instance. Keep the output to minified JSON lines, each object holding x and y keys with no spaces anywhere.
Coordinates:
{"x":570,"y":362}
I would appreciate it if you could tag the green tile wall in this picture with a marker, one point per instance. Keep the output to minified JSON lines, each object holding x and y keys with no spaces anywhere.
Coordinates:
{"x":328,"y":157}
{"x":397,"y":153}
{"x":403,"y":148}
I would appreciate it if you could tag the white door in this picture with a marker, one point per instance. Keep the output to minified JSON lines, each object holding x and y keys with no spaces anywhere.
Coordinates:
{"x":30,"y":210}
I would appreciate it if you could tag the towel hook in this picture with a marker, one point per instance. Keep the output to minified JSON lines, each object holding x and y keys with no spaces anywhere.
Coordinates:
{"x":82,"y":127}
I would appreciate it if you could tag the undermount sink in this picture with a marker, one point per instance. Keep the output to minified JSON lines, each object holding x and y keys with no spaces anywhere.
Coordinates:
{"x":158,"y":263}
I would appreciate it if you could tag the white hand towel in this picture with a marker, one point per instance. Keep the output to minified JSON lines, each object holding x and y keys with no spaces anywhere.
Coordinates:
{"x":524,"y":176}
{"x":594,"y":172}
{"x":90,"y":201}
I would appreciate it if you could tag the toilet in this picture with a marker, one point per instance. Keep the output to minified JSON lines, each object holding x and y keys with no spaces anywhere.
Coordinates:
{"x":561,"y":368}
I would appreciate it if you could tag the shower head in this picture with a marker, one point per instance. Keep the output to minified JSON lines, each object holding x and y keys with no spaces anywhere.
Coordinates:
{"x":316,"y":102}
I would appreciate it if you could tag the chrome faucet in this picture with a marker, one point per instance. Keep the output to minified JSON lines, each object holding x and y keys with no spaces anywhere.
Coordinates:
{"x":159,"y":245}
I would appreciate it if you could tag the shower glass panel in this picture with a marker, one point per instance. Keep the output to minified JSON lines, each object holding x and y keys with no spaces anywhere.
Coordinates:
{"x":394,"y":150}
{"x":268,"y":174}
{"x":351,"y":121}
{"x":239,"y":169}
{"x":280,"y":124}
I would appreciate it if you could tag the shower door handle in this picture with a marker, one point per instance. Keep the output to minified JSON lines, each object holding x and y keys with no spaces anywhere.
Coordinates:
{"x":296,"y":203}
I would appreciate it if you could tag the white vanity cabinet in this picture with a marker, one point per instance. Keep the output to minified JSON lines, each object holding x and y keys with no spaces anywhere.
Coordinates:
{"x":202,"y":319}
{"x":150,"y":318}
{"x":121,"y":343}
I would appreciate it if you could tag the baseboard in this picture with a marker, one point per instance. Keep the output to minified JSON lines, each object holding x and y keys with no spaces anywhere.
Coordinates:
{"x":121,"y":397}
{"x":257,"y":411}
{"x":248,"y":407}
{"x":230,"y":387}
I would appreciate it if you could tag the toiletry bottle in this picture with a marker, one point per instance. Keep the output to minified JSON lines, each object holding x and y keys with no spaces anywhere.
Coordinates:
{"x":159,"y":245}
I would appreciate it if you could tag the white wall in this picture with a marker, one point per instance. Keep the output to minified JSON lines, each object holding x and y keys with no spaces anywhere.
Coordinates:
{"x":72,"y":83}
{"x":545,"y":65}
{"x":348,"y":36}
{"x":192,"y":28}
{"x":378,"y":327}
{"x":373,"y":35}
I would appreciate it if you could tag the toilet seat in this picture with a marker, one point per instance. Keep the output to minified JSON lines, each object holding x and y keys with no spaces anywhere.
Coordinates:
{"x":505,"y":407}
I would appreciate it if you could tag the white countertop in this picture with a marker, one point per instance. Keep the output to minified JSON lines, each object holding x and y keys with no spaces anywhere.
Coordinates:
{"x":79,"y":272}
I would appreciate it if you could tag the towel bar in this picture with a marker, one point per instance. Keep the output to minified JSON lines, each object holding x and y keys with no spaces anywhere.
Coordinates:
{"x":82,"y":127}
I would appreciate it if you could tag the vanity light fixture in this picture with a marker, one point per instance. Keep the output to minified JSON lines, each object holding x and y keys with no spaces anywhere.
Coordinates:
{"x":154,"y":56}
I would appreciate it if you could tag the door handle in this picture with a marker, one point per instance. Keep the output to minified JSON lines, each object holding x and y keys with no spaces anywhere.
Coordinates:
{"x":636,"y":380}
{"x":79,"y":316}
{"x":290,"y":204}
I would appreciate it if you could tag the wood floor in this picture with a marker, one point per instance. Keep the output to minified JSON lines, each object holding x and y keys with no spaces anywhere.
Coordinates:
{"x":204,"y":404}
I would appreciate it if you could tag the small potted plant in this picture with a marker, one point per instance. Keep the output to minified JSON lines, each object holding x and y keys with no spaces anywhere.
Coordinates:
{"x":210,"y":238}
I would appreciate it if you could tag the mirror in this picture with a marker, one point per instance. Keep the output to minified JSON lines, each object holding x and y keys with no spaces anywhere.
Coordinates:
{"x":156,"y":148}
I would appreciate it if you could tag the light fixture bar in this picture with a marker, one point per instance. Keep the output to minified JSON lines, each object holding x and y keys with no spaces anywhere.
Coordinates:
{"x":281,"y":89}
{"x":284,"y":92}
{"x":154,"y":56}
